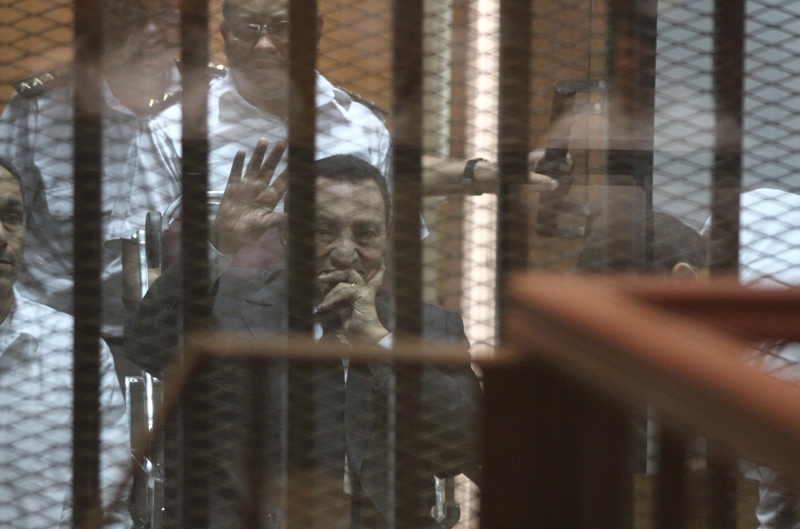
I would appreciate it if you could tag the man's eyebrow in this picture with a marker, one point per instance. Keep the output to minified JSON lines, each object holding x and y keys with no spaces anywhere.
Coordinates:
{"x":10,"y":202}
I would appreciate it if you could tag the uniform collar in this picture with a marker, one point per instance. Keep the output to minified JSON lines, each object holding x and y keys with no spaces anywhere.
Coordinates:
{"x":233,"y":107}
{"x":173,"y":86}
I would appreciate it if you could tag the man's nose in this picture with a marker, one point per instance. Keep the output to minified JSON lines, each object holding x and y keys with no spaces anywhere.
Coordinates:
{"x":344,"y":254}
{"x":264,"y":43}
{"x":151,"y":25}
{"x":3,"y":236}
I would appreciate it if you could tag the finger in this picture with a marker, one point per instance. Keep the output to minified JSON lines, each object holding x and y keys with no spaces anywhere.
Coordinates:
{"x":280,"y":185}
{"x":254,"y":166}
{"x":377,"y":279}
{"x":567,"y":170}
{"x":273,"y":194}
{"x":534,"y":157}
{"x":271,"y":220}
{"x":273,"y":159}
{"x":355,"y":278}
{"x":335,"y":276}
{"x":341,"y":294}
{"x":236,"y":167}
{"x":547,"y":183}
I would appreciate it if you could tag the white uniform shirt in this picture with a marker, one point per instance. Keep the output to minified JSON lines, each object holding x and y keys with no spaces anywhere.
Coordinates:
{"x":36,"y":359}
{"x":36,"y":135}
{"x":769,"y":257}
{"x":344,"y":126}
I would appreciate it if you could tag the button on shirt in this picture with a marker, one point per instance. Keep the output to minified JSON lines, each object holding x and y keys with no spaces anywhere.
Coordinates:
{"x":36,"y":420}
{"x":36,"y":135}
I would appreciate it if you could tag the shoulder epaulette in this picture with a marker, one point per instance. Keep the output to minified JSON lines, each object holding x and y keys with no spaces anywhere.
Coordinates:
{"x":216,"y":70}
{"x":38,"y":84}
{"x":378,"y":111}
{"x":171,"y":98}
{"x":166,"y":101}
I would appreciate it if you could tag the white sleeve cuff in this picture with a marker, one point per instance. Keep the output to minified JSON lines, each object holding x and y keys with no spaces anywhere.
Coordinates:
{"x":218,"y":262}
{"x":387,"y":342}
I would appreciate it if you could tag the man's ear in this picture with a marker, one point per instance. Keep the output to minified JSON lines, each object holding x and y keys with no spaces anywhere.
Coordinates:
{"x":683,"y":271}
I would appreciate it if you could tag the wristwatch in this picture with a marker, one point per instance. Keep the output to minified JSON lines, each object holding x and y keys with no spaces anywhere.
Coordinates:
{"x":468,"y":178}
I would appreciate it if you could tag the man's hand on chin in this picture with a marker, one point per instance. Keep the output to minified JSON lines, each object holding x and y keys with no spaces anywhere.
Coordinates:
{"x":354,"y":300}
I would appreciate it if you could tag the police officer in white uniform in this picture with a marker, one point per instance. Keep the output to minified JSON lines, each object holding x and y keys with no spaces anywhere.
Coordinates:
{"x":36,"y":135}
{"x":251,"y":102}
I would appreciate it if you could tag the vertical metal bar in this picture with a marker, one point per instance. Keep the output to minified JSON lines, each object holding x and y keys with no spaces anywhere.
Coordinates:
{"x":671,"y":493}
{"x":196,"y":306}
{"x":453,"y":210}
{"x":529,"y":471}
{"x":87,"y":247}
{"x":300,"y":201}
{"x":300,"y":492}
{"x":605,"y":464}
{"x":513,"y":139}
{"x":723,"y":489}
{"x":412,"y":485}
{"x":407,"y":152}
{"x":407,"y":71}
{"x":728,"y":78}
{"x":633,"y":28}
{"x":255,"y":436}
{"x":301,"y":194}
{"x":646,"y":33}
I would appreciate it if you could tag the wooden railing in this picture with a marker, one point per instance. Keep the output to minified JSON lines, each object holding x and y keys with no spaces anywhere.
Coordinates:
{"x":583,"y":355}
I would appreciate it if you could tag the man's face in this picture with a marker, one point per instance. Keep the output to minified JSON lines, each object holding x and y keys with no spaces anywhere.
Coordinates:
{"x":258,"y":54}
{"x":144,"y":34}
{"x":12,"y":231}
{"x":350,"y":232}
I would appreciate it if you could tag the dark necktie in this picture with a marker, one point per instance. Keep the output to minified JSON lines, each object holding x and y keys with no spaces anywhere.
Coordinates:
{"x":329,"y":443}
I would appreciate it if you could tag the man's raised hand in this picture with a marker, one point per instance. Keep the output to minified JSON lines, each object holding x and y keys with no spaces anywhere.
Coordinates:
{"x":247,"y":208}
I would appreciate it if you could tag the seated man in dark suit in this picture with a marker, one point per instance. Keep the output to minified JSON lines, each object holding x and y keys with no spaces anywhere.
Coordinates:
{"x":351,"y":234}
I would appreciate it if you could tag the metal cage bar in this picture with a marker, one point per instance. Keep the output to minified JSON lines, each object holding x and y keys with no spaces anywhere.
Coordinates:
{"x":407,"y":45}
{"x":728,"y":86}
{"x":407,"y":71}
{"x":87,"y":255}
{"x":671,"y":488}
{"x":196,"y":306}
{"x":513,"y":139}
{"x":301,"y":195}
{"x":300,"y":205}
{"x":631,"y":70}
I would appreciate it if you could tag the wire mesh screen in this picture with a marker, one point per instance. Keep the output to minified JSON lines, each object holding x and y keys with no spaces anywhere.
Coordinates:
{"x":390,"y":163}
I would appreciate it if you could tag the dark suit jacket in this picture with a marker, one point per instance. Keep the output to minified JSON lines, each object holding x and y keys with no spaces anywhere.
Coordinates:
{"x":253,"y":302}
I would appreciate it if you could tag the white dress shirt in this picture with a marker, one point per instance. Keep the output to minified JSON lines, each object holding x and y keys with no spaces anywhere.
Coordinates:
{"x":769,"y":257}
{"x":344,"y":126}
{"x":36,"y":135}
{"x":36,"y":359}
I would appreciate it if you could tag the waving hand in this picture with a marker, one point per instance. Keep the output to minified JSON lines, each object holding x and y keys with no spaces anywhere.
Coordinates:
{"x":247,"y":208}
